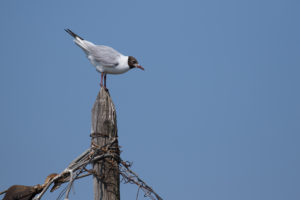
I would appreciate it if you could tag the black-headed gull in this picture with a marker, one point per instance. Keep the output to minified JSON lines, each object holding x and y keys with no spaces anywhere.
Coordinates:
{"x":106,"y":59}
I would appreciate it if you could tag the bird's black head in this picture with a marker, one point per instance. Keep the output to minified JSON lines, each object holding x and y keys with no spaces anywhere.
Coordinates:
{"x":133,"y":63}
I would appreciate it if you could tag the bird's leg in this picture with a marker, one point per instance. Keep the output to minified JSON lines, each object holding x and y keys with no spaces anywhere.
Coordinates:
{"x":101,"y":81}
{"x":105,"y":81}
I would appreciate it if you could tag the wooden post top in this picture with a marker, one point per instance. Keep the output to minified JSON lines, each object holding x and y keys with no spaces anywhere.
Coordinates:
{"x":104,"y":128}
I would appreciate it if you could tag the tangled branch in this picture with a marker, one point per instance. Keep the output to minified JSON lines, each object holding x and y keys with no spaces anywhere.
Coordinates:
{"x":130,"y":177}
{"x":78,"y":169}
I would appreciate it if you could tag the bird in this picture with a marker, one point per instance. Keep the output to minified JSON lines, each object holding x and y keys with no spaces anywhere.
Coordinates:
{"x":23,"y":192}
{"x":106,"y":59}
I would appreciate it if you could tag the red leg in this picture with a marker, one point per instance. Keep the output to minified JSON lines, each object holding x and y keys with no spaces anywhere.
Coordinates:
{"x":101,"y":81}
{"x":104,"y":80}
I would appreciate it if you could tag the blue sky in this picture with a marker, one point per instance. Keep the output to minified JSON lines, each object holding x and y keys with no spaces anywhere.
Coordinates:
{"x":214,"y":116}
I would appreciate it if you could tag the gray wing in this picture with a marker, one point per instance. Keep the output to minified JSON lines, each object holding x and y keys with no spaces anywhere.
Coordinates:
{"x":97,"y":54}
{"x":104,"y":55}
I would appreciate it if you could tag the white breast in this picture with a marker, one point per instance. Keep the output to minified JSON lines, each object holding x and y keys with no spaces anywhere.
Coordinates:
{"x":121,"y":68}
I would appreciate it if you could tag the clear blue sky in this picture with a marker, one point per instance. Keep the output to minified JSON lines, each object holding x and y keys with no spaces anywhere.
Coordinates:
{"x":215,"y":116}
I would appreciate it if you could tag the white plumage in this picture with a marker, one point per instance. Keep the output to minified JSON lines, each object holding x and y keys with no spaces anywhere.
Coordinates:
{"x":106,"y":59}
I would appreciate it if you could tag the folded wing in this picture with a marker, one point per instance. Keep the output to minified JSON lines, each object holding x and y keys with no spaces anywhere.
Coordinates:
{"x":97,"y":54}
{"x":104,"y":55}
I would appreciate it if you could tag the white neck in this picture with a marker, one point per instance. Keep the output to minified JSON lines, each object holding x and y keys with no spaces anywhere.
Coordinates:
{"x":121,"y":68}
{"x":123,"y":61}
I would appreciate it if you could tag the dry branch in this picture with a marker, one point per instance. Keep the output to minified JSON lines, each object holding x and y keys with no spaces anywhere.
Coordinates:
{"x":77,"y":169}
{"x":104,"y":156}
{"x":130,"y":177}
{"x":3,"y":192}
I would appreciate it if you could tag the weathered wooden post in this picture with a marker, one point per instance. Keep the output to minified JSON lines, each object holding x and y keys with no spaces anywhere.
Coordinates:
{"x":104,"y":129}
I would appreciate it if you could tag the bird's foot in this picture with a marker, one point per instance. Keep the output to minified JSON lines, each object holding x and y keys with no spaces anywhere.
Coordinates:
{"x":104,"y":87}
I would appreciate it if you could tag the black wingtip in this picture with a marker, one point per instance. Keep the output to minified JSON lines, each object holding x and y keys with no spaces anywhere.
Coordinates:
{"x":73,"y":34}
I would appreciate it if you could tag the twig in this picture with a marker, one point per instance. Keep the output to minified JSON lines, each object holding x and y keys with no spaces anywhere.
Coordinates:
{"x":3,"y":192}
{"x":137,"y":193}
{"x":94,"y":154}
{"x":70,"y":185}
{"x":87,"y":157}
{"x":132,"y":177}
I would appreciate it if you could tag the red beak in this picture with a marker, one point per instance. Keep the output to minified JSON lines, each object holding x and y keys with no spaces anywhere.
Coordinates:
{"x":139,"y":66}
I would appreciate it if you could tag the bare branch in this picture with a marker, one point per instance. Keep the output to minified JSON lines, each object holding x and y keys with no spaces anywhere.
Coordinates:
{"x":3,"y":192}
{"x":78,"y":165}
{"x":130,"y":177}
{"x":95,"y":153}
